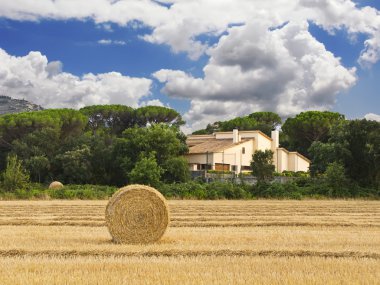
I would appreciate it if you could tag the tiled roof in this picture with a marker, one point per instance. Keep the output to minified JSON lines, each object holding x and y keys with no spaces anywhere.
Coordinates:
{"x":213,"y":146}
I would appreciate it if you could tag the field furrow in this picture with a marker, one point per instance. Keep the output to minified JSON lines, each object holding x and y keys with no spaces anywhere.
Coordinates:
{"x":208,"y":242}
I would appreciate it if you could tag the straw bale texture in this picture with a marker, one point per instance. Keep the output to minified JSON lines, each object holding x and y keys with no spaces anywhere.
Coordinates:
{"x":137,"y":214}
{"x":55,"y":185}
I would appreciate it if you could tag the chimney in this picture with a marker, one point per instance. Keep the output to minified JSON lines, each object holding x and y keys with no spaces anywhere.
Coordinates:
{"x":276,"y":139}
{"x":235,"y":136}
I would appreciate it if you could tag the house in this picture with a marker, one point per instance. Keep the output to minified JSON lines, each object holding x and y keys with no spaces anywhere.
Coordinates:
{"x":232,"y":151}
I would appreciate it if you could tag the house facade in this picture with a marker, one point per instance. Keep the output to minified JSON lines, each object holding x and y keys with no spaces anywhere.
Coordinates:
{"x":232,"y":151}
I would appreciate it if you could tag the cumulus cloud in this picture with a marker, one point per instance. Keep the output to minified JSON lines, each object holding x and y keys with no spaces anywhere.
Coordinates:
{"x":105,"y":27}
{"x":264,"y":57}
{"x":33,"y":78}
{"x":179,"y":23}
{"x":372,"y":117}
{"x":153,"y":102}
{"x":285,"y":70}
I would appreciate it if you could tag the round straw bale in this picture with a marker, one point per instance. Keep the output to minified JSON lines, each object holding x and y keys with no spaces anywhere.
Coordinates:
{"x":137,"y":214}
{"x":55,"y":185}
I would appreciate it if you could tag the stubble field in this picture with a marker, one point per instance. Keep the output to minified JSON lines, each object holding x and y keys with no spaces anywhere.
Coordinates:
{"x":208,"y":242}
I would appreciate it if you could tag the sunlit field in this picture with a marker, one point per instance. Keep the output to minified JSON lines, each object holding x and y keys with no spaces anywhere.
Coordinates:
{"x":208,"y":242}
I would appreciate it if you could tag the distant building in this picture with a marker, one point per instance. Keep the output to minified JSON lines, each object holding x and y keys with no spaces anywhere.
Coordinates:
{"x":232,"y":151}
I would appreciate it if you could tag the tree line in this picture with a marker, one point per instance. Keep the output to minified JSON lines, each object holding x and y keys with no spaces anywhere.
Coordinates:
{"x":106,"y":145}
{"x":116,"y":145}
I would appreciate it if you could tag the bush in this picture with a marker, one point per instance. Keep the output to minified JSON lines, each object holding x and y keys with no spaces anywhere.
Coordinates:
{"x":211,"y":191}
{"x":15,"y":177}
{"x":288,"y":190}
{"x":262,"y":165}
{"x":220,"y":172}
{"x":315,"y":188}
{"x":146,"y":171}
{"x":176,"y":169}
{"x":189,"y":190}
{"x":82,"y":192}
{"x":336,"y":180}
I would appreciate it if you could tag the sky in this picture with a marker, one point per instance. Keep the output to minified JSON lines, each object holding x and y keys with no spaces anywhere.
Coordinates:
{"x":210,"y":60}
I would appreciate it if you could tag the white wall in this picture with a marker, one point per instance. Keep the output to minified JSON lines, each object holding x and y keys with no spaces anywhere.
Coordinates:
{"x":223,"y":135}
{"x":292,"y":162}
{"x":263,"y":142}
{"x":200,"y":158}
{"x":234,"y":155}
{"x":302,"y":164}
{"x":281,"y":160}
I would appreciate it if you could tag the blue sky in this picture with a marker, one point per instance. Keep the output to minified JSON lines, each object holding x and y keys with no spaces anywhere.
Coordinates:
{"x":192,"y":68}
{"x":75,"y":44}
{"x":364,"y":97}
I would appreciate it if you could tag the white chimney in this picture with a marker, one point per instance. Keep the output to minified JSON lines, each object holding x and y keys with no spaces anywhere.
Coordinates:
{"x":276,"y":139}
{"x":235,"y":136}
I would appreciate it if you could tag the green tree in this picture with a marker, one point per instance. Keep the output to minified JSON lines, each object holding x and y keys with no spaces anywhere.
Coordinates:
{"x":15,"y":177}
{"x":211,"y":128}
{"x":360,"y":139}
{"x":176,"y":169}
{"x":337,"y":182}
{"x":155,"y":115}
{"x":354,"y":144}
{"x":322,"y":154}
{"x":262,"y":121}
{"x":74,"y":166}
{"x":308,"y":127}
{"x":101,"y":160}
{"x":39,"y":167}
{"x":162,"y":140}
{"x":38,"y":133}
{"x":241,"y":123}
{"x":44,"y":142}
{"x":112,"y":119}
{"x":266,"y":121}
{"x":146,"y":171}
{"x":262,"y":165}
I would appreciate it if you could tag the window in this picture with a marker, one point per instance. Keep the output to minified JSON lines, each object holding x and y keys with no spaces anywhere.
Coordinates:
{"x":204,"y":166}
{"x":243,"y":150}
{"x":233,"y":167}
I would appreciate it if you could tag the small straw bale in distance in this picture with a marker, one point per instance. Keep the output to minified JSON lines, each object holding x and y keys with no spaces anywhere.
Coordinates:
{"x":55,"y":185}
{"x":137,"y":214}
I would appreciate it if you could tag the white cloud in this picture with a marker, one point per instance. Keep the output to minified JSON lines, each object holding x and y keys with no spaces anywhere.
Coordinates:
{"x":153,"y":102}
{"x":255,"y":68}
{"x":33,"y":78}
{"x":372,"y":117}
{"x":111,"y":42}
{"x":180,"y":23}
{"x":104,"y":42}
{"x":106,"y":27}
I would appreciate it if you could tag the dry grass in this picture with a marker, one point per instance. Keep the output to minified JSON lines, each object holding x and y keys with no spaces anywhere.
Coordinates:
{"x":189,"y":270}
{"x":209,"y":242}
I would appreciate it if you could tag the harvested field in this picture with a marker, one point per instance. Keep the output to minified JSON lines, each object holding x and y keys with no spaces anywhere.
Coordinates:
{"x":208,"y":242}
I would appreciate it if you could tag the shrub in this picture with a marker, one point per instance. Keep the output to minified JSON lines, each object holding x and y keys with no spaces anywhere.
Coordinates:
{"x":176,"y":169}
{"x":262,"y":165}
{"x":146,"y":171}
{"x":15,"y":177}
{"x":336,"y":180}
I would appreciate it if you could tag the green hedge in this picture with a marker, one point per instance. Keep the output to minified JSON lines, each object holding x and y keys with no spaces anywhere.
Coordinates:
{"x":81,"y":192}
{"x":299,"y":188}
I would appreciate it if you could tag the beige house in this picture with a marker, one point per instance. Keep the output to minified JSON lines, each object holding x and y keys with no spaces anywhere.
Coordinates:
{"x":232,"y":151}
